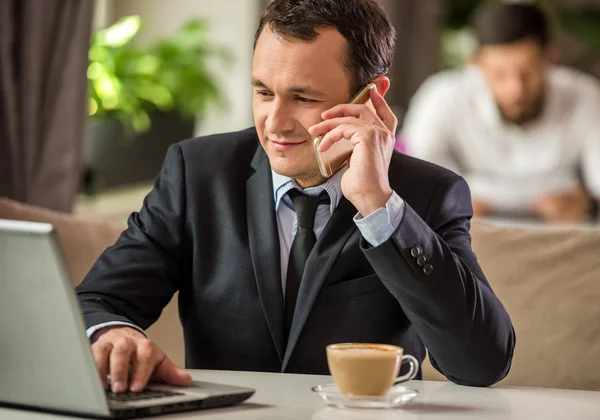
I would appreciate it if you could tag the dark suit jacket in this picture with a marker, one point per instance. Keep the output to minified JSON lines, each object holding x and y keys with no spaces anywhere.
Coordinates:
{"x":208,"y":229}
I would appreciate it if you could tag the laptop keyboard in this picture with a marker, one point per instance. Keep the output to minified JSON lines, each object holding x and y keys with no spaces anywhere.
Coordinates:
{"x":143,"y":395}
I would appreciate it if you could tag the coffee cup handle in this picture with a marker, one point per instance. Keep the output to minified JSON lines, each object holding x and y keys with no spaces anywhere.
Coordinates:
{"x":414,"y":369}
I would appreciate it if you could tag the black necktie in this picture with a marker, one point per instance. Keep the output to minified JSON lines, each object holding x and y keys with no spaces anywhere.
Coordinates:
{"x":305,"y":207}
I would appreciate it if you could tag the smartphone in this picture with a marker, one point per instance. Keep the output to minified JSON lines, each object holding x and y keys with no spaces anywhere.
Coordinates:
{"x":336,"y":156}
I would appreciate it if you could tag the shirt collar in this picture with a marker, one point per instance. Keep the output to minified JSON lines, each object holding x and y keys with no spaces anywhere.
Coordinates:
{"x":333,"y":186}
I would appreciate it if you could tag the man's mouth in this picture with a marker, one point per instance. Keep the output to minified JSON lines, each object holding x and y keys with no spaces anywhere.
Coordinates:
{"x":282,"y":146}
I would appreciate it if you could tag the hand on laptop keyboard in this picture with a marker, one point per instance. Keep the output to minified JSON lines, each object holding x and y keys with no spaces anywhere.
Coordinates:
{"x":132,"y":360}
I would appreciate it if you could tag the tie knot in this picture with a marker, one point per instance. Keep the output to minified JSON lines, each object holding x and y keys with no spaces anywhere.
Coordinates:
{"x":305,"y":207}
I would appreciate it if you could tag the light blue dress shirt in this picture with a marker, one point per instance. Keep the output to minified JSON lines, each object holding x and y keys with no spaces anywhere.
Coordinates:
{"x":376,"y":228}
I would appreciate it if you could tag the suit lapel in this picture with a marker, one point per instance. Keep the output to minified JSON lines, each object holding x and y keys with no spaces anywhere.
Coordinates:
{"x":319,"y":263}
{"x":264,"y":245}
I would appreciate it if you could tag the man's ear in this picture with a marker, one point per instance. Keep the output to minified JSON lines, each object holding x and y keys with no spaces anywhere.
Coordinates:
{"x":383,"y":84}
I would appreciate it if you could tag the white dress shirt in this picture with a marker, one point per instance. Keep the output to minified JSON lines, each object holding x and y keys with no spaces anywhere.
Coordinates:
{"x":453,"y":121}
{"x":376,"y":228}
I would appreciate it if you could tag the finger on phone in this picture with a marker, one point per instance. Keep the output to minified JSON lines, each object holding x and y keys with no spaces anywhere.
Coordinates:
{"x":144,"y":362}
{"x":343,"y":110}
{"x":120,"y":360}
{"x":170,"y":373}
{"x":343,"y":131}
{"x":101,"y":352}
{"x":326,"y":126}
{"x":383,"y":110}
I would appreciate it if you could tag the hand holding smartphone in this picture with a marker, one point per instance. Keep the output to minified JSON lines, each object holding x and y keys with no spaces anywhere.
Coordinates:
{"x":336,"y":156}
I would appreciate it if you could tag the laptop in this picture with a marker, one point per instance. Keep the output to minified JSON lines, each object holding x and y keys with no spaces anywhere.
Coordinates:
{"x":45,"y":358}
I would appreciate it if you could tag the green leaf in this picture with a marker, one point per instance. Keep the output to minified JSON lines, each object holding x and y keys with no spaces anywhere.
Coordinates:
{"x":156,"y":94}
{"x":105,"y":83}
{"x":140,"y":121}
{"x":93,"y":106}
{"x":120,"y":33}
{"x":98,"y":53}
{"x":137,"y":63}
{"x":94,"y":70}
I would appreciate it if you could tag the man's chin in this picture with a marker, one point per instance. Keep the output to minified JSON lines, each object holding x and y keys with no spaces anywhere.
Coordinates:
{"x":523,"y":113}
{"x":517,"y":116}
{"x":287,"y":170}
{"x":304,"y":174}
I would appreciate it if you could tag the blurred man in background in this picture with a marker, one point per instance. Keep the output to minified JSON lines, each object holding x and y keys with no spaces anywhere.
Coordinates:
{"x":523,"y":132}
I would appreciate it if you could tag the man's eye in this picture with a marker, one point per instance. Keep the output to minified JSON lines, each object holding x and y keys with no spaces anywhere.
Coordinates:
{"x":305,"y":100}
{"x":263,"y":93}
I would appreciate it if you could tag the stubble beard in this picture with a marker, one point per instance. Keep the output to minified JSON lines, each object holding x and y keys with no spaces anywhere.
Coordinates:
{"x":528,"y":115}
{"x":306,"y":175}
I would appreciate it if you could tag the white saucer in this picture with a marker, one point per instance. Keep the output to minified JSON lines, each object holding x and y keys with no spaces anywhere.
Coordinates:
{"x":397,"y":396}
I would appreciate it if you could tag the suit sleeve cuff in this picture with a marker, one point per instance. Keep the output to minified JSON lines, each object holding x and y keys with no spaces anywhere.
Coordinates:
{"x":379,"y":226}
{"x":91,"y":330}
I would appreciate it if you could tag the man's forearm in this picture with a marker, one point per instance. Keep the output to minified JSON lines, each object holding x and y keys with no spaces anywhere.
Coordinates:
{"x":461,"y":322}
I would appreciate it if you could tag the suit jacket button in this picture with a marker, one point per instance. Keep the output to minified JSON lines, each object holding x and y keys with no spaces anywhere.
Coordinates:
{"x":415,"y":251}
{"x":422,"y":260}
{"x":428,"y":269}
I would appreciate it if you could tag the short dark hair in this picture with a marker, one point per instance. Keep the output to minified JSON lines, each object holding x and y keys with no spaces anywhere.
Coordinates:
{"x":367,"y":29}
{"x":506,"y":23}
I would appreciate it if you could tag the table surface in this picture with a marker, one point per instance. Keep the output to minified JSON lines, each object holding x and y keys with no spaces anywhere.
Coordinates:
{"x":286,"y":396}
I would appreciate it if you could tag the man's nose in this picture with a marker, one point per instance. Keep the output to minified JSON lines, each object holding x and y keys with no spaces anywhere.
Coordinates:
{"x":518,"y":88}
{"x":280,"y":118}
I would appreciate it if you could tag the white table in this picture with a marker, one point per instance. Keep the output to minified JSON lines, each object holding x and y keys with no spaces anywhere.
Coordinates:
{"x":284,"y":396}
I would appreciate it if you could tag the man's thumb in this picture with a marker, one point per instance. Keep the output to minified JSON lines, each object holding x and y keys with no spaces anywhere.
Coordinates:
{"x":172,"y":374}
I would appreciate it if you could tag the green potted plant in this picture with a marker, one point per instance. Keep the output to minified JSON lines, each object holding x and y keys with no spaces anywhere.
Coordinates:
{"x":143,"y":99}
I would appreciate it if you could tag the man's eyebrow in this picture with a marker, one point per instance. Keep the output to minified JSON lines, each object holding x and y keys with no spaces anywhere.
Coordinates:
{"x":257,"y":83}
{"x":304,"y":90}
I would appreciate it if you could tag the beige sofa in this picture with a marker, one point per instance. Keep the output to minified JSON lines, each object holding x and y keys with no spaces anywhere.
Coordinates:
{"x":548,"y":279}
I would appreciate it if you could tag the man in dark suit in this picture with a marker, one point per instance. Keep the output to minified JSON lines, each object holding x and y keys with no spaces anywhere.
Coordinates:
{"x":272,"y":261}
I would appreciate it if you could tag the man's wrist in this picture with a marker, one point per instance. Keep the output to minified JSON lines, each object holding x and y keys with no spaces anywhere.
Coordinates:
{"x":97,"y":334}
{"x":371,"y":202}
{"x":379,"y":226}
{"x":96,"y":331}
